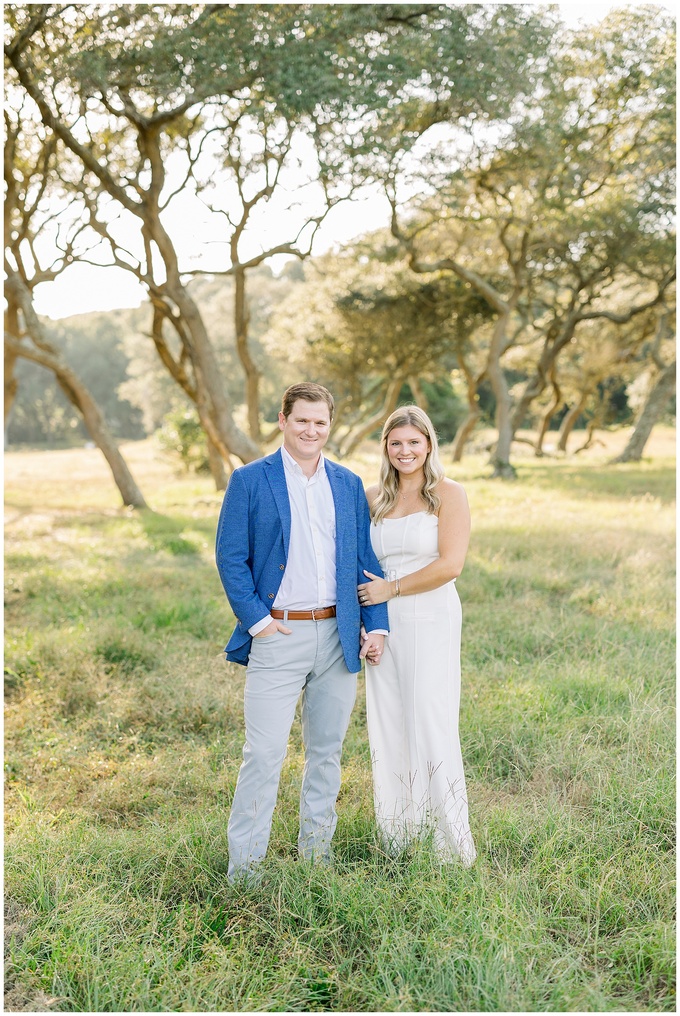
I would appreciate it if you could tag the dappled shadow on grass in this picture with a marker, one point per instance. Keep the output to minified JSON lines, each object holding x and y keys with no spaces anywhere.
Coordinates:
{"x":166,"y":533}
{"x":163,"y":532}
{"x":136,"y":587}
{"x":143,"y":599}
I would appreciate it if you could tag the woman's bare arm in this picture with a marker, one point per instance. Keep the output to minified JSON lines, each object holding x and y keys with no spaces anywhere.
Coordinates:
{"x":454,"y":537}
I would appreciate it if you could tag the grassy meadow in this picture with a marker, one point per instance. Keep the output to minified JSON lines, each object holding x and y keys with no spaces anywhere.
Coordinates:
{"x":123,"y":734}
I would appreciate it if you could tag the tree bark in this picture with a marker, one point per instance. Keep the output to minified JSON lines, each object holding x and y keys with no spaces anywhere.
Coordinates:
{"x":560,"y":338}
{"x":80,"y":397}
{"x":218,"y":453}
{"x":241,"y":327}
{"x":656,"y":402}
{"x":590,"y":432}
{"x":10,"y":381}
{"x":43,"y":352}
{"x":472,"y":383}
{"x":464,"y":432}
{"x":499,"y":342}
{"x":570,"y":419}
{"x":545,"y":367}
{"x":549,"y":413}
{"x":208,"y":374}
{"x":500,"y":458}
{"x":216,"y":462}
{"x":419,"y":396}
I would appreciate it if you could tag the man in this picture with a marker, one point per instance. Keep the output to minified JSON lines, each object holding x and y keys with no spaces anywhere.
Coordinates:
{"x":293,"y":541}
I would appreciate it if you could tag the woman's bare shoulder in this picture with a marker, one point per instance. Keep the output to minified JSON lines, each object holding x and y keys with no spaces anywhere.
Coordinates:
{"x":451,"y":492}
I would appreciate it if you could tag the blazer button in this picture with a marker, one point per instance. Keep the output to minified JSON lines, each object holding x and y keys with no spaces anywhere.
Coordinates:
{"x":282,"y":567}
{"x":271,"y":596}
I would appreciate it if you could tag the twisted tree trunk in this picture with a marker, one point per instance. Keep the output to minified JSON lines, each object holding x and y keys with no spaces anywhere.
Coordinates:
{"x":549,"y":413}
{"x":241,"y":327}
{"x":10,"y":381}
{"x":657,"y":400}
{"x":20,"y":302}
{"x":464,"y":432}
{"x":419,"y":396}
{"x":218,"y":453}
{"x":570,"y":419}
{"x":472,"y":383}
{"x":80,"y":397}
{"x":500,"y":457}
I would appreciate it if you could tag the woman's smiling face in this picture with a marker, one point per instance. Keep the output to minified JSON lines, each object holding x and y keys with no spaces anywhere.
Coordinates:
{"x":407,"y":449}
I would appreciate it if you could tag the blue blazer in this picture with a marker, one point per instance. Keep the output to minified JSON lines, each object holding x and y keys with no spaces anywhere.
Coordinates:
{"x":253,"y":537}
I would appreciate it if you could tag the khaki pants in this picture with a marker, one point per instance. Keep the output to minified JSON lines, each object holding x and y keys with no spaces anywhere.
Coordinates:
{"x":280,"y":667}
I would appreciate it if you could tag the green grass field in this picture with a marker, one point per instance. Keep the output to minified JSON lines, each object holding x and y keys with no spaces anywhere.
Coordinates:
{"x":124,"y":730}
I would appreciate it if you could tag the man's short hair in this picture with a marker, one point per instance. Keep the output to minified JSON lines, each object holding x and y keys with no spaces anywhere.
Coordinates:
{"x":308,"y":391}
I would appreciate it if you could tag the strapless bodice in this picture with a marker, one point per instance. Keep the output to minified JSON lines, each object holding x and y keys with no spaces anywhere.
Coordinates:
{"x":406,"y":544}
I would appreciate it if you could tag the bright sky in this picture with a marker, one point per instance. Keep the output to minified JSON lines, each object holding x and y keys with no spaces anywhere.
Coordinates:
{"x":83,"y":288}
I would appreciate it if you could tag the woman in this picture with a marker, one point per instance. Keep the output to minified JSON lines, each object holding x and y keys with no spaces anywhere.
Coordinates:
{"x":420,"y":531}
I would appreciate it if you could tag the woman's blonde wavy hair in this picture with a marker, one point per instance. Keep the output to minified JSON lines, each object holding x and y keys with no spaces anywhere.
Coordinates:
{"x":389,"y":477}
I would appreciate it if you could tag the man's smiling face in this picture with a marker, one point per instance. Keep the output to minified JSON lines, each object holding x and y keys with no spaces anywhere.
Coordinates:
{"x":305,"y":430}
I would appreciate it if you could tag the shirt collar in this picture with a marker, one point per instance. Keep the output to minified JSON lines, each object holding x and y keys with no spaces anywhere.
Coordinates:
{"x":292,"y":466}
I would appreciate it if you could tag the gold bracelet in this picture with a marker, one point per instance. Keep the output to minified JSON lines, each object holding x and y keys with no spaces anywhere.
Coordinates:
{"x":397,"y":587}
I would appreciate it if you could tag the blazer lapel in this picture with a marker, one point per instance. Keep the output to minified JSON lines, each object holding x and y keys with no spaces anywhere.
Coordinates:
{"x":343,"y":508}
{"x":277,"y":481}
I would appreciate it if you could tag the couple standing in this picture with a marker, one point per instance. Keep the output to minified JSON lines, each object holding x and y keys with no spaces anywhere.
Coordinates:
{"x":301,"y":561}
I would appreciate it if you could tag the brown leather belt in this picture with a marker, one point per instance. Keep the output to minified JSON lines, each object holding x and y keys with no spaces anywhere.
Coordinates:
{"x":319,"y":614}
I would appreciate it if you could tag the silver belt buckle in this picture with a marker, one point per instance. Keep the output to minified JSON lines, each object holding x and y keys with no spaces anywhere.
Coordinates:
{"x":313,"y":614}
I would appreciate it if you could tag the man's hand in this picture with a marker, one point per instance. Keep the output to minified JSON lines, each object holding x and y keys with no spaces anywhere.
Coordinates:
{"x":372,"y":648}
{"x":273,"y":627}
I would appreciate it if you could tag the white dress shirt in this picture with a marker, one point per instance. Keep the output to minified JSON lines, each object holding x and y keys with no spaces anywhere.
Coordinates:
{"x":309,"y":579}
